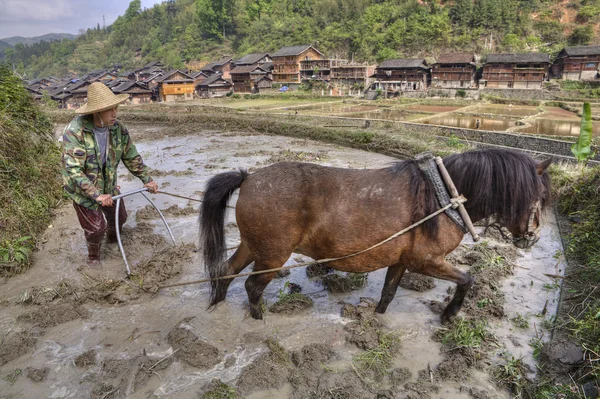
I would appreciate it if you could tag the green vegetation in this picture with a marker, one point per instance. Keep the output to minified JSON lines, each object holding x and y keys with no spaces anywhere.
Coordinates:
{"x":220,"y":390}
{"x":582,"y":149}
{"x":577,"y":192}
{"x":379,"y":359}
{"x":513,"y":374}
{"x":520,"y":321}
{"x":367,"y":30}
{"x":29,"y":173}
{"x":466,"y":333}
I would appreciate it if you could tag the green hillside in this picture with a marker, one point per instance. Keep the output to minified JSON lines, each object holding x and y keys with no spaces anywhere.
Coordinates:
{"x":178,"y":32}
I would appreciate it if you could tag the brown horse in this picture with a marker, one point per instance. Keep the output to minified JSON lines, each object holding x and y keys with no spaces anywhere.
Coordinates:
{"x":324,"y":212}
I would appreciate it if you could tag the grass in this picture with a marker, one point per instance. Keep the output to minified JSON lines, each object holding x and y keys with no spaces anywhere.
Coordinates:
{"x":490,"y":259}
{"x":278,"y":351}
{"x":466,"y":333}
{"x":379,"y":359}
{"x":512,"y":375}
{"x":220,"y":390}
{"x":520,"y":321}
{"x":29,"y":174}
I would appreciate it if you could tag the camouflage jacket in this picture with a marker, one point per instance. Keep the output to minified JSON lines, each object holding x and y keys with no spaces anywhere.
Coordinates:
{"x":83,"y":177}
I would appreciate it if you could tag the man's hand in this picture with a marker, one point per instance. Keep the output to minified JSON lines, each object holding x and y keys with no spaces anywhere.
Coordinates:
{"x":105,"y":200}
{"x":152,"y":186}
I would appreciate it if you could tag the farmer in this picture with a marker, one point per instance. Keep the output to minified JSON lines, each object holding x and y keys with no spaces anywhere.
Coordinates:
{"x":93,"y":144}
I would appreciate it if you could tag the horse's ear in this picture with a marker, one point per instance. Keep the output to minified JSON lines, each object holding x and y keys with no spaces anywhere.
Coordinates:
{"x":541,"y":167}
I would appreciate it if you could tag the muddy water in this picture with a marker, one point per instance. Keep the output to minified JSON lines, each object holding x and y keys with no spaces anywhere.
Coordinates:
{"x":553,"y":127}
{"x":386,"y":114}
{"x":137,"y":326}
{"x":468,"y":122}
{"x":434,"y":109}
{"x":519,"y":111}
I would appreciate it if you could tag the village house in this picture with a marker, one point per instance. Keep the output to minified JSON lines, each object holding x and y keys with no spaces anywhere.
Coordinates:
{"x":252,"y":59}
{"x":515,"y":71}
{"x":175,"y":86}
{"x":352,"y":77}
{"x":318,"y":69}
{"x":199,"y":77}
{"x":286,"y":62}
{"x":456,"y":70}
{"x":222,"y":67}
{"x":138,"y":92}
{"x":395,"y":76}
{"x":243,"y":78}
{"x":262,"y":82}
{"x":577,"y":63}
{"x":214,"y":86}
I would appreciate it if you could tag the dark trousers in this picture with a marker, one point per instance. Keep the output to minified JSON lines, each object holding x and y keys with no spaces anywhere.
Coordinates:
{"x":97,"y":222}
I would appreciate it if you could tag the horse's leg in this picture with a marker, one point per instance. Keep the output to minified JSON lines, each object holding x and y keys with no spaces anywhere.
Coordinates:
{"x":255,"y":284}
{"x":392,"y":279}
{"x":238,"y":261}
{"x":445,"y":271}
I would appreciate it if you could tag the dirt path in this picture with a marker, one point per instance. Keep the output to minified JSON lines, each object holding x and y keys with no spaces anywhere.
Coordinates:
{"x":70,"y":331}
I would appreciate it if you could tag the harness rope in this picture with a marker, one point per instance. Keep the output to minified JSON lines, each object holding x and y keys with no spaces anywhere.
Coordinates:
{"x":454,"y":203}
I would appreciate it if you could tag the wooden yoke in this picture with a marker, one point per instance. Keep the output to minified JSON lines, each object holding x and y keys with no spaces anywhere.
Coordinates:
{"x":454,"y":194}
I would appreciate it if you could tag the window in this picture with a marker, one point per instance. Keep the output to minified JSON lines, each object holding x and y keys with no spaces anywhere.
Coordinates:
{"x":590,"y":65}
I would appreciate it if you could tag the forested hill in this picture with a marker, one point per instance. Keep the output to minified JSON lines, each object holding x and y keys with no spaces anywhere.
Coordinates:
{"x":179,"y":32}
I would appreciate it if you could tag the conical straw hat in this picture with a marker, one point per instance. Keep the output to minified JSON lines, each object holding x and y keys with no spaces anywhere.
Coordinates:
{"x":100,"y":98}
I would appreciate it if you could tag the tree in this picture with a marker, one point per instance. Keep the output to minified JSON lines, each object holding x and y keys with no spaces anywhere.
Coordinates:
{"x":213,"y":17}
{"x":581,"y":35}
{"x":134,"y":9}
{"x":461,"y":13}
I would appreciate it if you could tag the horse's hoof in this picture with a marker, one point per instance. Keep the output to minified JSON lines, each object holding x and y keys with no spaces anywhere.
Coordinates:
{"x":447,"y":317}
{"x":380,"y":309}
{"x":256,"y":313}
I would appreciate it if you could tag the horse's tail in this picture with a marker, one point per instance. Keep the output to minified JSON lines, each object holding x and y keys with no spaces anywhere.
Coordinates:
{"x":212,"y":220}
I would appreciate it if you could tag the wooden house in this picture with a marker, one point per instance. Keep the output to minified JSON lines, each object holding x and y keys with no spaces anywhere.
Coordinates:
{"x":243,"y":77}
{"x":352,"y":76}
{"x":286,"y":62}
{"x":175,"y":86}
{"x":515,"y":71}
{"x":577,"y":63}
{"x":199,"y":77}
{"x":456,"y":70}
{"x":401,"y":75}
{"x":138,"y":92}
{"x":262,"y":82}
{"x":214,"y":86}
{"x":252,"y":59}
{"x":222,"y":67}
{"x":318,"y":69}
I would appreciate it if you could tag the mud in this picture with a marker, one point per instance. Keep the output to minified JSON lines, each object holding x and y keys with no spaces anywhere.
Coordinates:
{"x":149,"y":212}
{"x":133,"y":325}
{"x":37,"y":375}
{"x":417,"y":282}
{"x":53,"y":314}
{"x":291,"y":304}
{"x":87,"y":358}
{"x":338,"y":283}
{"x":192,"y":349}
{"x":318,"y":270}
{"x":15,"y":344}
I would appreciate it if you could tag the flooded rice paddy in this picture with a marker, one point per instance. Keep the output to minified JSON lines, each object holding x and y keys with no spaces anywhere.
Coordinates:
{"x":538,"y":120}
{"x":74,"y":331}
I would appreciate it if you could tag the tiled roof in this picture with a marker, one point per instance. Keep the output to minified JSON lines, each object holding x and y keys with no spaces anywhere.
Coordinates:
{"x":456,"y":58}
{"x":510,"y":58}
{"x":403,"y":63}
{"x":250,"y":59}
{"x":293,"y":50}
{"x":582,"y":50}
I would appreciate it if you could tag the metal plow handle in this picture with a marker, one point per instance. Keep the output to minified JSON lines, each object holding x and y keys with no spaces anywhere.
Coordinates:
{"x":118,"y":199}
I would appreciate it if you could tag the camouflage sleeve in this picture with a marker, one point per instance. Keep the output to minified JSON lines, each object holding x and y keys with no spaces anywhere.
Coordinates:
{"x":133,"y":161}
{"x":74,"y":161}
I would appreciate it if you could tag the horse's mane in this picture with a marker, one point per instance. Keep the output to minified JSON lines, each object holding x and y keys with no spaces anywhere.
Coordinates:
{"x":423,"y":193}
{"x":496,"y":182}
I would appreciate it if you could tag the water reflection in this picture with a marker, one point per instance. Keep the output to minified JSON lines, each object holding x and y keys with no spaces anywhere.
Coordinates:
{"x":435,"y":109}
{"x":509,"y":111}
{"x":387,"y":114}
{"x":335,"y":108}
{"x":471,"y":123}
{"x":551,"y":127}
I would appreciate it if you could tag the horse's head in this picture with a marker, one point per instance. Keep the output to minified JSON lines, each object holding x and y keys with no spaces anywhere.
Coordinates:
{"x":526,"y":232}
